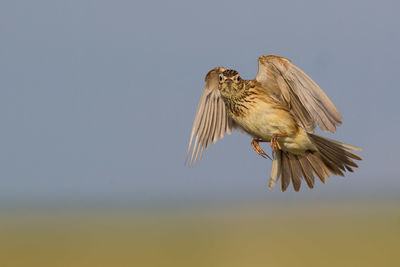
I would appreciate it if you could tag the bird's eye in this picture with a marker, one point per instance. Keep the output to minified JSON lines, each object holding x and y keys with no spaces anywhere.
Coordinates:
{"x":238,"y":78}
{"x":220,"y":78}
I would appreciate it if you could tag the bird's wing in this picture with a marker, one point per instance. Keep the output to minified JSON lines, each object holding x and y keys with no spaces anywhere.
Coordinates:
{"x":212,"y":120}
{"x":297,"y":91}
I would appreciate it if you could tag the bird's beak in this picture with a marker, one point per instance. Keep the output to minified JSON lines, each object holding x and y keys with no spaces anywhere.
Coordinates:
{"x":228,"y":81}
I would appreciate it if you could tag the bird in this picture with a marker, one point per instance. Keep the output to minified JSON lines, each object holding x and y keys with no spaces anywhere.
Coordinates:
{"x":282,"y":105}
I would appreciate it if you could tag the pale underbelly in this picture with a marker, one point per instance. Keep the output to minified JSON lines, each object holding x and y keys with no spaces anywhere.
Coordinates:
{"x":264,"y":121}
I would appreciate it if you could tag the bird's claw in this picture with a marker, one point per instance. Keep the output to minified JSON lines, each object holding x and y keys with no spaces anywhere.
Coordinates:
{"x":256,"y":146}
{"x":274,"y":142}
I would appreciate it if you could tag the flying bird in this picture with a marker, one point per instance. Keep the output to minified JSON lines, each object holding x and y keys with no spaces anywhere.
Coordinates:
{"x":281,"y":105}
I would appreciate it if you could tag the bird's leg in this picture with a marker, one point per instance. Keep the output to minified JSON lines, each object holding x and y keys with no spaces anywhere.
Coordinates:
{"x":274,"y":141}
{"x":256,"y":146}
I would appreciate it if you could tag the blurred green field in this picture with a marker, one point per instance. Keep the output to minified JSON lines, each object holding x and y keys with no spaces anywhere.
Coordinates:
{"x":251,"y":235}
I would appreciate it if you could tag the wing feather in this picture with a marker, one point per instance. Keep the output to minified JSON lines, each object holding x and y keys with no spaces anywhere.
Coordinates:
{"x":221,"y":121}
{"x":297,"y":91}
{"x":211,"y":120}
{"x":203,"y":129}
{"x":210,"y":111}
{"x":213,"y":128}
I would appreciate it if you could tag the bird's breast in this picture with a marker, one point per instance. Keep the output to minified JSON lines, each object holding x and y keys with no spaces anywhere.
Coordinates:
{"x":263,"y":119}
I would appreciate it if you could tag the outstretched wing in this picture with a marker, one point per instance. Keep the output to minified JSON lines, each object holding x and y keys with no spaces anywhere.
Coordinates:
{"x":211,"y":121}
{"x":296,"y":90}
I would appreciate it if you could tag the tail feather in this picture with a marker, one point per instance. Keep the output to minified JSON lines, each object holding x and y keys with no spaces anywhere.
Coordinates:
{"x":295,"y":171}
{"x":331,"y":157}
{"x":333,"y":165}
{"x":318,"y":167}
{"x":285,"y":172}
{"x":275,"y":170}
{"x":335,"y":152}
{"x":307,"y":171}
{"x":347,"y":146}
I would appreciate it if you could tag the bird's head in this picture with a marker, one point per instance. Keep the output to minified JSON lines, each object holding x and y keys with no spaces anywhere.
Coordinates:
{"x":230,"y":82}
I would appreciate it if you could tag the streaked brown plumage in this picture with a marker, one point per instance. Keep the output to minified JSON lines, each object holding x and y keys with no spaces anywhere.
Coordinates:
{"x":281,"y":105}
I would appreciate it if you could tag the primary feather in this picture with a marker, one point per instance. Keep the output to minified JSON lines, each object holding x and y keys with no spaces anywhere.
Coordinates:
{"x":297,"y":91}
{"x":211,"y":120}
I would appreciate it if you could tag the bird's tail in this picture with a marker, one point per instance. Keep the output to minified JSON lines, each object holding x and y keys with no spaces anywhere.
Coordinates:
{"x":331,"y":157}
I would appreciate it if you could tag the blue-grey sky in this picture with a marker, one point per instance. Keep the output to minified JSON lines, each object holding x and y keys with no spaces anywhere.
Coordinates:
{"x":97,"y":98}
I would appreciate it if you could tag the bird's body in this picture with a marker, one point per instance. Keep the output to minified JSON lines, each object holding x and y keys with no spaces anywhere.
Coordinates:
{"x":282,"y":105}
{"x":262,"y":117}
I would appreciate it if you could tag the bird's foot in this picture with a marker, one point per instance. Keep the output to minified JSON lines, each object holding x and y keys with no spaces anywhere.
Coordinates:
{"x":274,"y":142}
{"x":256,"y":146}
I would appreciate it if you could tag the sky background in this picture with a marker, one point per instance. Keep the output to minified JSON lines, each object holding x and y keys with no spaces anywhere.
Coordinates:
{"x":97,"y":98}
